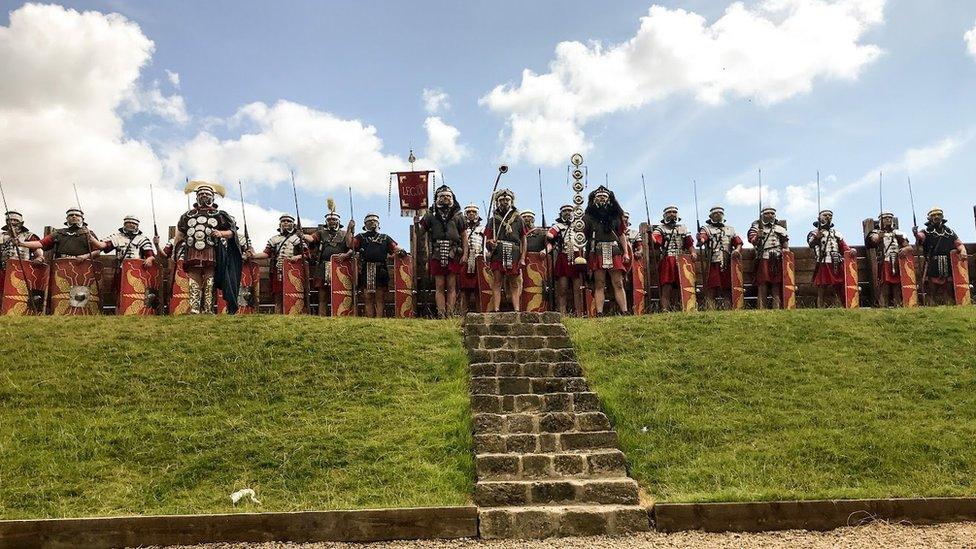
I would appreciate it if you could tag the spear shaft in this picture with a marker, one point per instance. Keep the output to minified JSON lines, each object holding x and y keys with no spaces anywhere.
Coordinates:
{"x":16,"y":240}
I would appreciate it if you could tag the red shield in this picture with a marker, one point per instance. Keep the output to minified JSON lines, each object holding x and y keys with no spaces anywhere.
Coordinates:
{"x":343,"y":286}
{"x":789,"y":279}
{"x":403,"y":286}
{"x":909,"y":279}
{"x":738,"y":283}
{"x":960,"y":278}
{"x":139,"y":292}
{"x":24,"y":288}
{"x":247,"y":298}
{"x":73,"y":289}
{"x":638,"y":281}
{"x":294,"y":278}
{"x":852,"y":293}
{"x":179,"y":300}
{"x":534,"y":283}
{"x":484,"y":284}
{"x":686,"y":282}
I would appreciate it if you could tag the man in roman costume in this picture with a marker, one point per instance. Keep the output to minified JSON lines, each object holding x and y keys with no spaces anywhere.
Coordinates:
{"x":609,"y":251}
{"x":672,"y":238}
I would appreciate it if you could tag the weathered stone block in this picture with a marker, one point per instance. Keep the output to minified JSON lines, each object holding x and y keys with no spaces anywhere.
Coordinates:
{"x":587,"y":441}
{"x":576,"y":384}
{"x":521,"y":444}
{"x":472,"y":342}
{"x":496,"y":524}
{"x":592,"y":421}
{"x":556,"y":422}
{"x":531,"y":342}
{"x":535,"y":369}
{"x":560,"y":342}
{"x":557,"y":402}
{"x":586,"y":402}
{"x":502,"y":318}
{"x":500,"y":494}
{"x":550,"y":317}
{"x":528,"y":403}
{"x":500,"y":329}
{"x":567,"y":369}
{"x":514,"y":385}
{"x":550,"y":330}
{"x":536,"y":523}
{"x":484,"y":385}
{"x":489,"y":444}
{"x":510,"y":369}
{"x":472,"y":319}
{"x":556,"y":355}
{"x":489,"y":423}
{"x":494,"y":342}
{"x":591,"y":522}
{"x":475,"y":329}
{"x":508,"y":403}
{"x":497,"y":465}
{"x":483,"y":369}
{"x":611,"y":492}
{"x":519,"y":423}
{"x":503,"y":355}
{"x":485,"y":403}
{"x":536,"y":466}
{"x":552,"y":492}
{"x":629,"y":520}
{"x":569,"y":464}
{"x":523,"y":330}
{"x":548,"y":442}
{"x":607,"y":463}
{"x":529,"y":318}
{"x":479,"y":355}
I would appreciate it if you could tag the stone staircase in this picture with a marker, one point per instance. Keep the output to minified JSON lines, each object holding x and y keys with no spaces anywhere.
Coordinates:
{"x":546,"y":456}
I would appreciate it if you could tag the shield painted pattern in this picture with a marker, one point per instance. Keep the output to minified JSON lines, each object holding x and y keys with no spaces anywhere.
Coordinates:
{"x":909,"y":279}
{"x":852,"y":292}
{"x":638,"y":283}
{"x":343,"y":286}
{"x":534,"y":284}
{"x":789,"y":279}
{"x":293,"y":283}
{"x":179,"y":299}
{"x":960,"y":278}
{"x":484,"y":284}
{"x":24,"y":295}
{"x":738,"y":283}
{"x":686,"y":283}
{"x":73,"y":288}
{"x":247,"y":299}
{"x":139,"y":292}
{"x":403,"y":299}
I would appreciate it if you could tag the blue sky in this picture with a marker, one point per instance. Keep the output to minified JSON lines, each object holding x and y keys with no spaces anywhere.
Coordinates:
{"x":906,"y":109}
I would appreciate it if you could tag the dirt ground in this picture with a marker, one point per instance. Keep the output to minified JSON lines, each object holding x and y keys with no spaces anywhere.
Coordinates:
{"x":878,"y":534}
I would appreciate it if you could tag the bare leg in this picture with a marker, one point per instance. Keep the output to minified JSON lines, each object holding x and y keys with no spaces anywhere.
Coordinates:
{"x":710,"y":299}
{"x":777,"y":295}
{"x":439,"y":296}
{"x":599,"y":290}
{"x":665,"y":290}
{"x":617,"y":279}
{"x":368,"y":301}
{"x":324,"y":295}
{"x":380,"y":303}
{"x":820,"y":296}
{"x":452,"y":294}
{"x":579,"y":290}
{"x":562,"y":288}
{"x":762,"y":290}
{"x":496,"y":291}
{"x":514,"y":284}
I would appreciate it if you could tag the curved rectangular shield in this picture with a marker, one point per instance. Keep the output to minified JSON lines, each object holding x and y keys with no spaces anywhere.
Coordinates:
{"x":25,"y":286}
{"x":909,"y":279}
{"x":960,"y":278}
{"x":343,"y":286}
{"x":686,"y":283}
{"x":294,"y":278}
{"x":73,"y":289}
{"x":139,"y":290}
{"x":534,"y":276}
{"x":789,"y":279}
{"x":852,"y":292}
{"x":403,"y":298}
{"x":638,"y":285}
{"x":484,"y":285}
{"x":738,"y":283}
{"x":179,"y":298}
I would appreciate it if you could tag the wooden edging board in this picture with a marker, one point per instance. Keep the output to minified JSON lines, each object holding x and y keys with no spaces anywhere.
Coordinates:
{"x":807,"y":515}
{"x":359,"y":526}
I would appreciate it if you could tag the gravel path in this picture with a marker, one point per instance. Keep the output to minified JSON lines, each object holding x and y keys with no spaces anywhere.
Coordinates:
{"x":879,"y":534}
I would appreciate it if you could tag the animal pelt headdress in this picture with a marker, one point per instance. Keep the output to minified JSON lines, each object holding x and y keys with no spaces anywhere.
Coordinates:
{"x":610,"y":215}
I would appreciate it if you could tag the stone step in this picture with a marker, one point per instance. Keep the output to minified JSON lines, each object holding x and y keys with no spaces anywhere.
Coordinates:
{"x":521,"y":385}
{"x":593,"y":464}
{"x":539,"y":422}
{"x":544,"y":443}
{"x":521,"y":355}
{"x":529,"y":369}
{"x":574,"y":520}
{"x":506,"y":493}
{"x":551,"y":402}
{"x":557,"y":329}
{"x":512,"y":318}
{"x":532,"y":342}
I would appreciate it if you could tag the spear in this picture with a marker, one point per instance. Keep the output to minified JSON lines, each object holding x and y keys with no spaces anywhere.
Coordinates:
{"x":301,"y":239}
{"x":542,"y":201}
{"x":351,"y":214}
{"x":152,"y":204}
{"x":13,"y":234}
{"x":647,"y":208}
{"x":880,"y":193}
{"x":247,"y":237}
{"x":88,"y":237}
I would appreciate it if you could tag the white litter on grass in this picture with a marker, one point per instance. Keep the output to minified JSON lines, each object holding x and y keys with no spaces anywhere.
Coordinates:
{"x":239,"y":495}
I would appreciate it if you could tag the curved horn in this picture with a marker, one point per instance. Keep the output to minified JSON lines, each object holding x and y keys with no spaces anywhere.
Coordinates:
{"x":503,"y":168}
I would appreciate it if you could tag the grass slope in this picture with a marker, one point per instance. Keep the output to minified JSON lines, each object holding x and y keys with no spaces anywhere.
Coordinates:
{"x":114,"y":416}
{"x":790,"y":404}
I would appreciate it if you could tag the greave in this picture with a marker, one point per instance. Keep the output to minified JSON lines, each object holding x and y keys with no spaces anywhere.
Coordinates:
{"x":208,"y":296}
{"x":194,"y":295}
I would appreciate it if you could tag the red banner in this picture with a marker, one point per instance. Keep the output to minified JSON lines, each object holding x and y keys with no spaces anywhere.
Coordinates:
{"x":73,"y":288}
{"x":24,"y":295}
{"x":403,"y":286}
{"x":139,"y":291}
{"x":413,"y":188}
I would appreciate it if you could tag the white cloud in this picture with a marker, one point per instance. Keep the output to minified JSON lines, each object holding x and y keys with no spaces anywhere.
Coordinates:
{"x":771,"y":53}
{"x":970,"y":38}
{"x":174,"y":78}
{"x":435,"y":100}
{"x":442,"y":142}
{"x":743,"y":195}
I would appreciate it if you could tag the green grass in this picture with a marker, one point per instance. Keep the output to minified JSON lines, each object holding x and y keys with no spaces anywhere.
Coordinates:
{"x":114,"y":416}
{"x":800,"y":404}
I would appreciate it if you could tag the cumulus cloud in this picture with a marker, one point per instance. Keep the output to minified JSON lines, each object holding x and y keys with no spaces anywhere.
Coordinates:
{"x":442,"y":142}
{"x":743,"y":195}
{"x":970,"y":38}
{"x":174,"y":78}
{"x":435,"y":100}
{"x":770,"y":52}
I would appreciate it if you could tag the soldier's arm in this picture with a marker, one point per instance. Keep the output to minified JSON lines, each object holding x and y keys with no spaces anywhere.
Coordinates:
{"x":961,"y":248}
{"x":464,"y":245}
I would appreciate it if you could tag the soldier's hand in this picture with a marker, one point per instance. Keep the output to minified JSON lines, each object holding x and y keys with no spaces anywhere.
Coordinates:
{"x":626,"y":258}
{"x":351,"y":225}
{"x":156,"y":240}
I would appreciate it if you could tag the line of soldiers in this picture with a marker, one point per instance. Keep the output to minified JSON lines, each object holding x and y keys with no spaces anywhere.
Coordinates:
{"x":212,"y":253}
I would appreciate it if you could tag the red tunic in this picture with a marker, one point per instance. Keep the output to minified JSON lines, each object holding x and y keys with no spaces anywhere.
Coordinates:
{"x":831,"y":274}
{"x":718,"y":278}
{"x":770,"y":271}
{"x":887,"y":274}
{"x":453,"y":267}
{"x":496,"y":264}
{"x":667,"y":268}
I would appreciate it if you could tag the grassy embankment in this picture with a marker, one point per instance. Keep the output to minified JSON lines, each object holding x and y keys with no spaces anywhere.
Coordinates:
{"x":790,"y":404}
{"x":115,"y":416}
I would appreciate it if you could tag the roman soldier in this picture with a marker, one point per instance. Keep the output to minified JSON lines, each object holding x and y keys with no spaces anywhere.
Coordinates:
{"x":937,"y":240}
{"x":11,"y":235}
{"x":889,"y":243}
{"x":213,"y":258}
{"x":284,"y":246}
{"x":535,"y":238}
{"x":769,"y":239}
{"x":720,"y":244}
{"x":505,"y":242}
{"x":328,"y":240}
{"x":829,"y":246}
{"x":476,"y":248}
{"x":609,"y":251}
{"x":567,"y":275}
{"x":634,"y":239}
{"x":447,"y":247}
{"x":672,"y":238}
{"x":128,"y":243}
{"x":75,"y":241}
{"x":374,"y":249}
